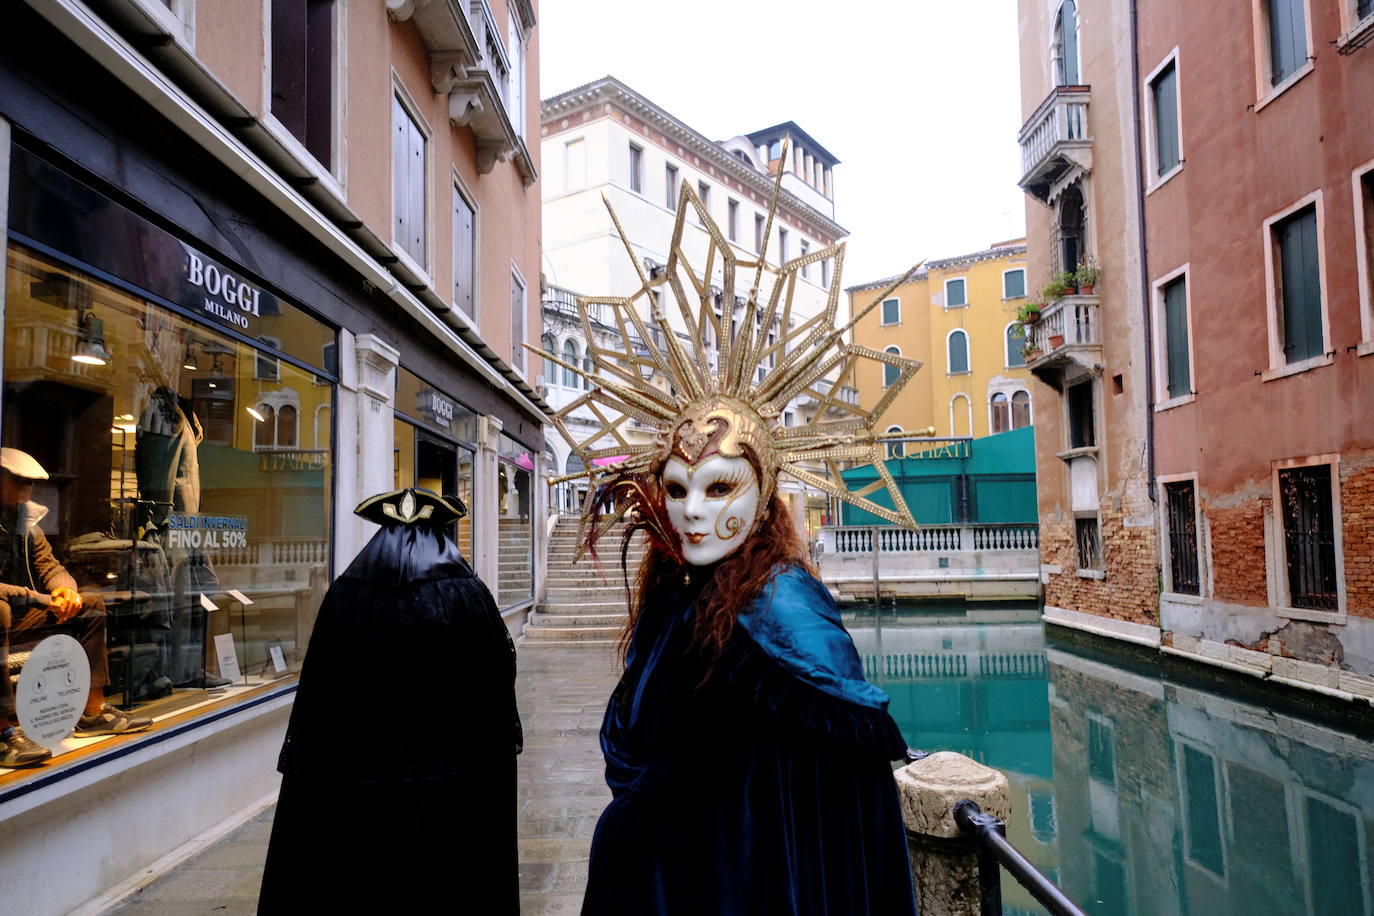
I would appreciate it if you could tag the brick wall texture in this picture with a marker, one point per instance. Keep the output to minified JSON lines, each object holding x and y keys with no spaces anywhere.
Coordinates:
{"x":1130,"y":590}
{"x":1357,"y":531}
{"x":1237,"y":560}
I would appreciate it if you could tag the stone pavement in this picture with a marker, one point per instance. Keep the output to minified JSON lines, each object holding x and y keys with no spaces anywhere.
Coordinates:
{"x":562,"y":692}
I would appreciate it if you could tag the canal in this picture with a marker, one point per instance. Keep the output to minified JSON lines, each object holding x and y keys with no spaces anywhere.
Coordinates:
{"x":1139,"y":789}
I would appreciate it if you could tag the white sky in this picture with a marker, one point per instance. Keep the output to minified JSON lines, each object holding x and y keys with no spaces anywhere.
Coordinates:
{"x":918,"y":99}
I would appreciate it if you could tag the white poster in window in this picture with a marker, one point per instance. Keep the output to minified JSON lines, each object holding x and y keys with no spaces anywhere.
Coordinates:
{"x":278,"y":659}
{"x":228,"y":657}
{"x":52,"y":690}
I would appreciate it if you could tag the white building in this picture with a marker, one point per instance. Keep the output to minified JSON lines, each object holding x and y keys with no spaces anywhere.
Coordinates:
{"x":606,"y":139}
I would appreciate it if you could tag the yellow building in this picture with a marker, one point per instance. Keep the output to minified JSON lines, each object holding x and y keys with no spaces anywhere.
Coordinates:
{"x":958,"y":317}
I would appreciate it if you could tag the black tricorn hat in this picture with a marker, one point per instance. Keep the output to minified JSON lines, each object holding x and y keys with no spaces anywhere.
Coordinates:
{"x":411,"y":506}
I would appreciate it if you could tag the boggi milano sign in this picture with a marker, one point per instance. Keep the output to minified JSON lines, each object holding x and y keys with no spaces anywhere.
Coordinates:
{"x":225,"y":297}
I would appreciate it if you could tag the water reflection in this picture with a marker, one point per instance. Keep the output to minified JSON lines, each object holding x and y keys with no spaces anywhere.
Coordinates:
{"x":1137,"y":793}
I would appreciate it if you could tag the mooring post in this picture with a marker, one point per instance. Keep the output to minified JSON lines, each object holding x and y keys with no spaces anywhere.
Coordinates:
{"x":944,"y":864}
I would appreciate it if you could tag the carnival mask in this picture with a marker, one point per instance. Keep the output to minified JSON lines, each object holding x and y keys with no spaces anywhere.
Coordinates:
{"x":712,"y":505}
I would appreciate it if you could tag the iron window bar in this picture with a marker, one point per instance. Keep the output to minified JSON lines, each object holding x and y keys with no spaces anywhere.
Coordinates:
{"x":995,"y":852}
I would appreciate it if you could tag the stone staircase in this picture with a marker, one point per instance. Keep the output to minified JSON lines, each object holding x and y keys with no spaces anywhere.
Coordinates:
{"x":584,"y":605}
{"x":514,"y":572}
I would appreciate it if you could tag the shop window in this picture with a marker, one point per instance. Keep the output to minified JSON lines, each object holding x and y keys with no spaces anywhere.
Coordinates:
{"x":464,"y":255}
{"x":208,"y":555}
{"x":636,"y":169}
{"x":1020,"y":409}
{"x":1001,"y":413}
{"x":1181,"y":517}
{"x":302,"y":66}
{"x":266,"y":366}
{"x":409,"y":170}
{"x":1309,"y":536}
{"x":1014,"y":283}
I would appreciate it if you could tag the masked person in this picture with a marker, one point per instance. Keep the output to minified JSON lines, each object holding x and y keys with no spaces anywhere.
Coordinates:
{"x":748,"y":757}
{"x":38,"y":597}
{"x":408,"y":800}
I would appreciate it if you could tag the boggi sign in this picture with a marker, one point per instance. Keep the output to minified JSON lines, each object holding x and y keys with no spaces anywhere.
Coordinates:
{"x":221,"y":293}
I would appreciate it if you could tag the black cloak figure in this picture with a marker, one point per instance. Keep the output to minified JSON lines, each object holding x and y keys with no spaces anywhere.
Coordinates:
{"x":398,"y":770}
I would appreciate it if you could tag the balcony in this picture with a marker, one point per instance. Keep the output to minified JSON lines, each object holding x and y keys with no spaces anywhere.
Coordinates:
{"x":1069,"y":332}
{"x":1056,"y":146}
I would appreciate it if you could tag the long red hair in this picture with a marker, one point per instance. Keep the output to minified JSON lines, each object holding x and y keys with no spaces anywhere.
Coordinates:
{"x":737,"y":581}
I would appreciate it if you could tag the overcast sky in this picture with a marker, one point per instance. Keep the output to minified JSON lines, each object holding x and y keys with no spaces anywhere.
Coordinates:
{"x":917,"y":99}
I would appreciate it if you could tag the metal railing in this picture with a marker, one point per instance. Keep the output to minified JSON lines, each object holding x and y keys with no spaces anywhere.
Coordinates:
{"x":995,"y":852}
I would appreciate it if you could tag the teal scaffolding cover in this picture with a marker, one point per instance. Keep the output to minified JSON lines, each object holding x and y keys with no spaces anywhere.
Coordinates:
{"x":979,"y":481}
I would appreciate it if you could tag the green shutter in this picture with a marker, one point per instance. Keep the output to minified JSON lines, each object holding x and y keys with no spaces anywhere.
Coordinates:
{"x":1015,"y":339}
{"x":1014,"y":281}
{"x":1176,"y":338}
{"x":1296,"y":240}
{"x":1068,"y":36}
{"x":892,"y":311}
{"x":955,"y":293}
{"x":1165,"y":89}
{"x":958,"y":353}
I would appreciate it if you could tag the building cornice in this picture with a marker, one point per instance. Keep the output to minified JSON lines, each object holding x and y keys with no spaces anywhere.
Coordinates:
{"x":987,"y":254}
{"x":609,"y":90}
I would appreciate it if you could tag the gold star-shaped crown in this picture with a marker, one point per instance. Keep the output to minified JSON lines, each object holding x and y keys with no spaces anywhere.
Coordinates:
{"x":674,"y":381}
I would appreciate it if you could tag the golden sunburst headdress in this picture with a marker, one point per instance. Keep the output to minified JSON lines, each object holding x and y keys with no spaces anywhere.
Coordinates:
{"x":702,"y":380}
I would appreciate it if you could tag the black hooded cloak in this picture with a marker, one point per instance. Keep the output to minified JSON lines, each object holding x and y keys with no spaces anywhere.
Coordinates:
{"x":398,"y":769}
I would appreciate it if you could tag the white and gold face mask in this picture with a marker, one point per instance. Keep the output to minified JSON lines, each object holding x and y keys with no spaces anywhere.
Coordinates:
{"x":712,"y":506}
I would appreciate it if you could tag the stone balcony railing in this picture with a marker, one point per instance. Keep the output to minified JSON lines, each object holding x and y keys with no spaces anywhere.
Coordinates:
{"x":1055,"y":142}
{"x":858,"y":539}
{"x":1069,"y":330}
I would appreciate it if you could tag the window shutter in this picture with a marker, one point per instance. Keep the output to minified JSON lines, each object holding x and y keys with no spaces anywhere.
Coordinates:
{"x":958,"y":353}
{"x":1166,"y":119}
{"x":1014,"y":284}
{"x":462,"y":255}
{"x":416,"y":186}
{"x":1176,"y":338}
{"x":1014,"y":340}
{"x":1301,"y":288}
{"x":400,"y":199}
{"x":1068,"y":31}
{"x":1364,"y":8}
{"x":1287,"y":38}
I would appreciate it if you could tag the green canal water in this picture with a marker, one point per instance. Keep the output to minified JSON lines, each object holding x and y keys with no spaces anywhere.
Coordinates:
{"x":1135,"y":788}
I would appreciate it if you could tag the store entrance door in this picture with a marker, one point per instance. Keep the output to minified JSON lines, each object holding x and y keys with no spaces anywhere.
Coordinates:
{"x":436,"y":465}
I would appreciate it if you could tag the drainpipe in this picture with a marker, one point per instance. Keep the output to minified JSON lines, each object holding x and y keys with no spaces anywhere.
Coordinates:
{"x":1145,"y":293}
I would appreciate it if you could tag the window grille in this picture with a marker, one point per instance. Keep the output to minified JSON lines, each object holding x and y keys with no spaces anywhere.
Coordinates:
{"x":1183,"y":554}
{"x":1309,"y":536}
{"x":1089,"y":538}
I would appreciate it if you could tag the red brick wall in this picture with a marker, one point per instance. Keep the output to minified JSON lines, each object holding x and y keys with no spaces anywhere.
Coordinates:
{"x":1357,"y":531}
{"x":1237,"y":559}
{"x":1131,"y":589}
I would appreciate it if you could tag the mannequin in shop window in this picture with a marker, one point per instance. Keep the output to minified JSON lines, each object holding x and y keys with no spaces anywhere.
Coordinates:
{"x":167,"y":465}
{"x":38,"y":598}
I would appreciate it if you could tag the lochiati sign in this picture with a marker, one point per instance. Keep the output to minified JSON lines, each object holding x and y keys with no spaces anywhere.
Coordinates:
{"x":221,"y":294}
{"x":207,"y":532}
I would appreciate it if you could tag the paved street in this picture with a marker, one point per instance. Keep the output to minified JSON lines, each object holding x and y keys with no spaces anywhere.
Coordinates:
{"x":562,"y":693}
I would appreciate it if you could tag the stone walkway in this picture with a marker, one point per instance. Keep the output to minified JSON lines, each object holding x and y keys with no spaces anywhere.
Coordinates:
{"x":562,"y":692}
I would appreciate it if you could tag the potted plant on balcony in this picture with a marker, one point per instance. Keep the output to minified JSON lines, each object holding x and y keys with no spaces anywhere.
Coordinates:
{"x":1061,"y":285}
{"x":1029,"y":350}
{"x":1086,"y":277}
{"x":1029,"y":313}
{"x":1056,"y":341}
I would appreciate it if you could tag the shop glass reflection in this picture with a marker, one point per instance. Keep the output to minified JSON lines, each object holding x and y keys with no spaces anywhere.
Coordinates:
{"x":514,"y":496}
{"x":187,"y":491}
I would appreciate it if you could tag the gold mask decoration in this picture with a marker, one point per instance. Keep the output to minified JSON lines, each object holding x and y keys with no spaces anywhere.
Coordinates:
{"x":697,"y":402}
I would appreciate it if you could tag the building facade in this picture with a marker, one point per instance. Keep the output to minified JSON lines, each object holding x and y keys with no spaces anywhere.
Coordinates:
{"x":606,"y":139}
{"x":232,"y":311}
{"x":958,"y":316}
{"x":1211,"y":417}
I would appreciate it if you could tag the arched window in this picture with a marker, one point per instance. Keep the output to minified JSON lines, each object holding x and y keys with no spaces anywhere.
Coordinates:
{"x":264,"y":433}
{"x":1001,"y":413}
{"x":1016,"y":339}
{"x":1066,"y":45}
{"x":549,"y":345}
{"x":960,"y":416}
{"x":286,"y":427}
{"x":958,"y":352}
{"x":1071,"y":227}
{"x":569,"y":357}
{"x":589,"y":368}
{"x":1020,"y":409}
{"x":891,"y":373}
{"x":896,"y":449}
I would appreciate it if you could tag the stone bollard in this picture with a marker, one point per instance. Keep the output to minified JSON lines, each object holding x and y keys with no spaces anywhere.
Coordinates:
{"x":944,"y":865}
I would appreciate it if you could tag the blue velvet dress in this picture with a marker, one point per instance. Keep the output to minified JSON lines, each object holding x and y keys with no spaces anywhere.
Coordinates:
{"x":767,"y":790}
